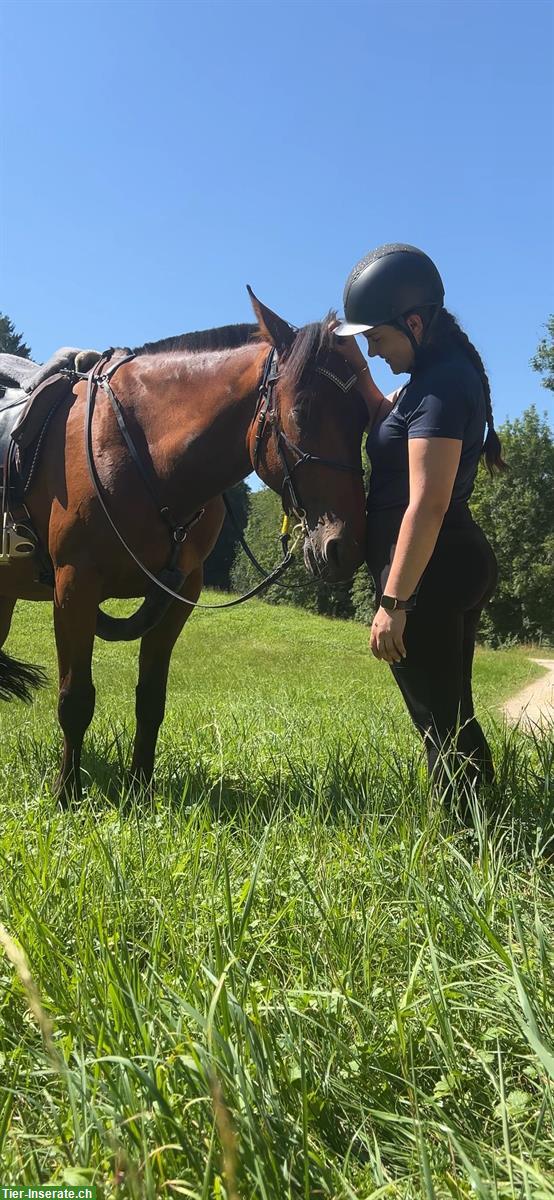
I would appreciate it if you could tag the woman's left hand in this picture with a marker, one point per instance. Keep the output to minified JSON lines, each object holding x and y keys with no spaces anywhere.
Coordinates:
{"x":386,"y":641}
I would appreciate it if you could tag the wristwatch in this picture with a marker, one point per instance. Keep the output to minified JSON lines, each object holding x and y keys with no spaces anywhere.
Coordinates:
{"x":391,"y":603}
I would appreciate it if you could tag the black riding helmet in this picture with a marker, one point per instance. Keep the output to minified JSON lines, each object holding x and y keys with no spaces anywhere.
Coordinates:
{"x":389,"y":282}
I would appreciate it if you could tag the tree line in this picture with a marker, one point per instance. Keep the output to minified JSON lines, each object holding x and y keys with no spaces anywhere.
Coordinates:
{"x":515,"y":510}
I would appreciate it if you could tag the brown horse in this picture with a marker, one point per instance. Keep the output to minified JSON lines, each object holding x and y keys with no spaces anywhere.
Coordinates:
{"x":194,"y":417}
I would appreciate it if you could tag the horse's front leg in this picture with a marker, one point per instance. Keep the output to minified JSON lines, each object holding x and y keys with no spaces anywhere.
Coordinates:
{"x":155,"y":653}
{"x":75,"y":608}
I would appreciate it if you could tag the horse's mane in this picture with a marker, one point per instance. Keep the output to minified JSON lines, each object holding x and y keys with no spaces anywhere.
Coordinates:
{"x":310,"y":341}
{"x":226,"y":337}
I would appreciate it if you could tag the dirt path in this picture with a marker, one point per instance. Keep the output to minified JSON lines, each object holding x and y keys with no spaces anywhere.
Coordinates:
{"x":535,"y":704}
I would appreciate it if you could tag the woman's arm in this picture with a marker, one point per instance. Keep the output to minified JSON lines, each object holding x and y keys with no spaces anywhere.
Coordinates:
{"x":433,"y":464}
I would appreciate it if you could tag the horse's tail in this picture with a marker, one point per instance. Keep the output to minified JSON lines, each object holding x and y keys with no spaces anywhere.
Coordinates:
{"x":19,"y":679}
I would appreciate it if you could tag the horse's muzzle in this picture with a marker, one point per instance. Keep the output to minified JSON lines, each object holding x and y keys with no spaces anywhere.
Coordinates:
{"x":331,"y":553}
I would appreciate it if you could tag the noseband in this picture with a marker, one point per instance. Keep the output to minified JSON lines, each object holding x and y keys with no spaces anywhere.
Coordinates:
{"x":267,"y":412}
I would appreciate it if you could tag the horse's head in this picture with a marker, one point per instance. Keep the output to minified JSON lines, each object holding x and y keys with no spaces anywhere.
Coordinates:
{"x":305,"y":442}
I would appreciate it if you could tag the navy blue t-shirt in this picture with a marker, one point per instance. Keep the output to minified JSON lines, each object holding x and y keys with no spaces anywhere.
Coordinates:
{"x":443,"y":399}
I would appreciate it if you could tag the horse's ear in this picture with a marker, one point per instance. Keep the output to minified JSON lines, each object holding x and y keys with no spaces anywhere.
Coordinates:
{"x":273,"y":328}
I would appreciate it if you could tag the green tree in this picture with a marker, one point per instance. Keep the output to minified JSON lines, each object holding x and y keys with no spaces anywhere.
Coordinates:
{"x":543,"y":360}
{"x":295,"y":586}
{"x":363,"y":596}
{"x":363,"y":587}
{"x":516,"y":511}
{"x":10,"y":341}
{"x":217,"y":568}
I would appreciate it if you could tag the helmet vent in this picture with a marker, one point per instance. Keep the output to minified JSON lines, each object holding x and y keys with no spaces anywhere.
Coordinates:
{"x":380,"y":252}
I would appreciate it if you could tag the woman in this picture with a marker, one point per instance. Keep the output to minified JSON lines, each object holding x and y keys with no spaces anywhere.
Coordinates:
{"x":433,"y":568}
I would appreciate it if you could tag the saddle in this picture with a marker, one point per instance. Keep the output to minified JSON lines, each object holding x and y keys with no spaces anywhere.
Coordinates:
{"x":30,"y":393}
{"x":31,"y":390}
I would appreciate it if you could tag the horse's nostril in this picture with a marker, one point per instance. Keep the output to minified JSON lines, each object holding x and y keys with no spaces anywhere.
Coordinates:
{"x":309,"y":558}
{"x":331,"y":552}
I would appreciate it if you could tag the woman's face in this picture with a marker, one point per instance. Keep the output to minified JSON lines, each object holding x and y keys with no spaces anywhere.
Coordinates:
{"x":385,"y":341}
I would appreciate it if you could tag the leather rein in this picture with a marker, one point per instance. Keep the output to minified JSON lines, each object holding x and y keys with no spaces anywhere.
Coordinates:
{"x":266,"y":414}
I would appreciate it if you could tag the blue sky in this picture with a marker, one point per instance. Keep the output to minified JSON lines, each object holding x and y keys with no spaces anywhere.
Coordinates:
{"x":156,"y":157}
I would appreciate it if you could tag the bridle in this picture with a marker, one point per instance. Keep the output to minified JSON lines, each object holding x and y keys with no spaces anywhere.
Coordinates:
{"x":268,"y":413}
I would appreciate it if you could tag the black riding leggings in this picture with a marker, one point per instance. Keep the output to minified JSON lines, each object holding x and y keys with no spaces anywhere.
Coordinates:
{"x":435,"y":676}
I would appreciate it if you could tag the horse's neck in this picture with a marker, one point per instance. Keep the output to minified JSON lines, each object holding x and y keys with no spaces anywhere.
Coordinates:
{"x":213,"y":403}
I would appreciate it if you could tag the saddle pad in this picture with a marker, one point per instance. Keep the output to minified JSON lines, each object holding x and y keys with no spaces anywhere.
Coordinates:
{"x":24,"y":373}
{"x":15,"y":371}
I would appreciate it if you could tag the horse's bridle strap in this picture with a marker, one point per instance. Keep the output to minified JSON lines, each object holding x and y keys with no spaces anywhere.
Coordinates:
{"x":269,"y":378}
{"x":315,"y":458}
{"x":267,"y":412}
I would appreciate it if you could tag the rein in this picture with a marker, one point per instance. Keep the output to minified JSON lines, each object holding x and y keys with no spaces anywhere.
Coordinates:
{"x":99,"y":378}
{"x":266,"y":413}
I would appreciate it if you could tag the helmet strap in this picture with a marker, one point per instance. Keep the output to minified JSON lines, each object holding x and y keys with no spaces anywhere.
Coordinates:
{"x":432,"y":323}
{"x":402,"y":324}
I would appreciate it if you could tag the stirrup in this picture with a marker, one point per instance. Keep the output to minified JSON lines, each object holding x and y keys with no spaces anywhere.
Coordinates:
{"x":17,"y":540}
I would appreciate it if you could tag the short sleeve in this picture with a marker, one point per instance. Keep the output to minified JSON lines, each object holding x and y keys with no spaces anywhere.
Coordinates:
{"x":435,"y":416}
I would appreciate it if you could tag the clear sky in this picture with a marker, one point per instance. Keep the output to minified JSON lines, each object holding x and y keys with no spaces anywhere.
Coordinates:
{"x":156,"y":157}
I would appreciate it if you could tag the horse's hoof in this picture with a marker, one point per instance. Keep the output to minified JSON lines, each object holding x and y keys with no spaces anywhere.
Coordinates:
{"x":137,"y":787}
{"x":66,"y":794}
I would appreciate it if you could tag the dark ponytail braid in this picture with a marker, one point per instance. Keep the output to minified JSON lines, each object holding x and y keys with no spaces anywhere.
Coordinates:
{"x":442,"y":327}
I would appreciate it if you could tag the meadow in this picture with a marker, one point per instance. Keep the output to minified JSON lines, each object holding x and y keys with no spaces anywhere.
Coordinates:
{"x":288,"y":973}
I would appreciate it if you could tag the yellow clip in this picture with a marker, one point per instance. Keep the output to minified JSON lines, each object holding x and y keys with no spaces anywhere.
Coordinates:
{"x":285,"y":525}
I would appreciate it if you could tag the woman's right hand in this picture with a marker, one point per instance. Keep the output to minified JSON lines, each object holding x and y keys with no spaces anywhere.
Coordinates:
{"x":348,"y":347}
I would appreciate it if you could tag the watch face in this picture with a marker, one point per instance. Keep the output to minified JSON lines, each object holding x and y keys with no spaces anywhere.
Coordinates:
{"x":388,"y":602}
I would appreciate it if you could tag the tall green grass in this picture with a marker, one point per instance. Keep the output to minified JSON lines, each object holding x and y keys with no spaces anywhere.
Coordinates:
{"x":288,"y":973}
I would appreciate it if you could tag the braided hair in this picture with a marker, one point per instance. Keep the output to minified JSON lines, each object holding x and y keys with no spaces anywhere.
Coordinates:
{"x":443,"y":327}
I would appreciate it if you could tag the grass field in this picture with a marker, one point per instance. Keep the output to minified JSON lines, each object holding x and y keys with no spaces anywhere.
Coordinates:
{"x":289,"y":974}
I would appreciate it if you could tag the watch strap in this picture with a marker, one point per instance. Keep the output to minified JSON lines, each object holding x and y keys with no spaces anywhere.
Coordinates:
{"x":392,"y":604}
